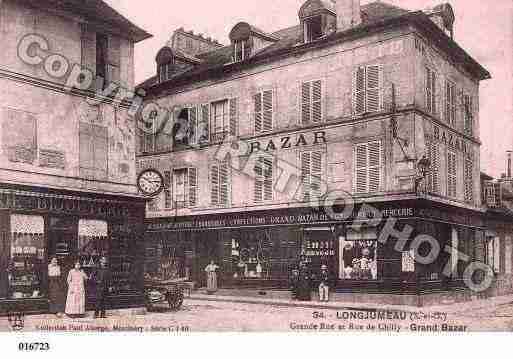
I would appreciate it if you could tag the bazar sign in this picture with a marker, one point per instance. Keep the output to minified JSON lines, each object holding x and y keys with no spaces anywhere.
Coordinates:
{"x":241,"y":220}
{"x":287,"y":142}
{"x":450,"y":139}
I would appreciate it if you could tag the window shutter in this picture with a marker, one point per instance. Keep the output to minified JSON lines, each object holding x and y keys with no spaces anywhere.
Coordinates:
{"x":267,"y":97}
{"x":233,"y":117}
{"x":451,"y":174}
{"x":317,"y":101}
{"x":259,"y":180}
{"x":86,"y":150}
{"x":374,"y":163}
{"x":316,"y":174}
{"x":258,"y":112}
{"x":223,"y":183}
{"x":433,"y":92}
{"x":203,"y":127}
{"x":268,"y":178}
{"x":305,"y":103}
{"x":429,"y":101}
{"x":305,"y":174}
{"x":373,"y":88}
{"x":433,"y":155}
{"x":193,"y":187}
{"x":359,"y":91}
{"x":469,"y":180}
{"x":114,"y":59}
{"x":361,"y":168}
{"x":100,"y":152}
{"x":168,"y":196}
{"x":214,"y":185}
{"x":193,"y":126}
{"x":88,"y":49}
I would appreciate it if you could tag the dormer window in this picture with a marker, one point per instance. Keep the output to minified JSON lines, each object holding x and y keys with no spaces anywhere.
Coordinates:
{"x":241,"y":50}
{"x":313,"y":29}
{"x":165,"y":71}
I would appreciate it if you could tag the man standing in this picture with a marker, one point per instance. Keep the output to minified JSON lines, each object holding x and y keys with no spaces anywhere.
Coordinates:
{"x":101,"y":277}
{"x":324,"y":288}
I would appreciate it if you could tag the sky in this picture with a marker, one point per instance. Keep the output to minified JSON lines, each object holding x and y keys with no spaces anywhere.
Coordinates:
{"x":483,"y":28}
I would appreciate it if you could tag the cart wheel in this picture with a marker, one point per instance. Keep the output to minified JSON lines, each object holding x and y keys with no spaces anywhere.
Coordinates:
{"x":175,"y":300}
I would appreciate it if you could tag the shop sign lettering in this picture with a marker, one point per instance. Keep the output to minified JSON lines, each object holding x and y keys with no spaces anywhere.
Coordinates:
{"x":451,"y":140}
{"x":288,"y":142}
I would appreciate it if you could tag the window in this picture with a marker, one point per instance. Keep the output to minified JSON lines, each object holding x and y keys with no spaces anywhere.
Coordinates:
{"x":186,"y":129}
{"x":359,"y":254}
{"x":93,"y":151}
{"x":367,"y":89}
{"x":311,"y":102}
{"x":19,"y":135}
{"x":469,"y":180}
{"x":101,"y":57}
{"x":263,"y":117}
{"x":223,"y":119}
{"x":313,"y":28}
{"x":367,"y":167}
{"x":312,"y":174}
{"x":241,"y":50}
{"x":450,"y":102}
{"x":220,"y":183}
{"x":468,"y":114}
{"x":433,"y":182}
{"x":185,"y":187}
{"x":431,"y":91}
{"x":165,"y":71}
{"x":451,"y":174}
{"x":168,"y":199}
{"x":493,"y":253}
{"x":263,"y":190}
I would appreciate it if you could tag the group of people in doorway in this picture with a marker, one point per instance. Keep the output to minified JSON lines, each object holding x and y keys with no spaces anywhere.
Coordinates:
{"x":72,"y":301}
{"x":302,"y":282}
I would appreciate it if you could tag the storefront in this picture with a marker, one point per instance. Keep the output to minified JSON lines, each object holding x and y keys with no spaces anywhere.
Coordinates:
{"x":39,"y":224}
{"x":260,"y":249}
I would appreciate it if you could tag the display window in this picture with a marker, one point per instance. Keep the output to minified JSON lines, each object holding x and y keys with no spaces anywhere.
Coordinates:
{"x":359,"y":254}
{"x":28,"y":253}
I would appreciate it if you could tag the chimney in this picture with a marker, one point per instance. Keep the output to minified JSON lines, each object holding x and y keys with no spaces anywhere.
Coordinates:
{"x":348,"y":14}
{"x":509,"y":164}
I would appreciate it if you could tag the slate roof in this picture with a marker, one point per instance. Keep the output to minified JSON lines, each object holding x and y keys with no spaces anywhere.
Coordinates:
{"x":374,"y":13}
{"x":96,"y":11}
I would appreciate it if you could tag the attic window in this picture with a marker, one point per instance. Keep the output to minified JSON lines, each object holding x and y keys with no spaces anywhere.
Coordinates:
{"x":313,"y":28}
{"x":165,"y":71}
{"x":241,"y":50}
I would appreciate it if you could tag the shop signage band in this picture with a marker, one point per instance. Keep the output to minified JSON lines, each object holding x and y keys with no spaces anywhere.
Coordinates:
{"x":28,"y":201}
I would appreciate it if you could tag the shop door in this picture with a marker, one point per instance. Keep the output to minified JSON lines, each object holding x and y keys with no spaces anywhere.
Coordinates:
{"x":63,"y":240}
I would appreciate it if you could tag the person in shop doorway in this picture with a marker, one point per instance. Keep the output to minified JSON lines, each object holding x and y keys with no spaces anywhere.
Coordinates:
{"x":56,"y":288}
{"x":324,"y":279}
{"x":304,"y":290}
{"x":75,"y":302}
{"x":101,"y":278}
{"x":211,"y":271}
{"x":294,"y":282}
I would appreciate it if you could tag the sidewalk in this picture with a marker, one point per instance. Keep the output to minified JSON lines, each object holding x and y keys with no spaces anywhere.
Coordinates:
{"x":448,"y":308}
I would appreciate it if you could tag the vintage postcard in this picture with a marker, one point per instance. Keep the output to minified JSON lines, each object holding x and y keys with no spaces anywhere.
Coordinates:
{"x":300,"y":166}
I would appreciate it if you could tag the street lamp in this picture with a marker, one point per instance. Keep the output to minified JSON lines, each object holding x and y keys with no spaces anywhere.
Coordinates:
{"x":423,"y":167}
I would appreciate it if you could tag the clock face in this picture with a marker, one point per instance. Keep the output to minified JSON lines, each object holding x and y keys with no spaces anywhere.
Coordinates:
{"x":150,"y":182}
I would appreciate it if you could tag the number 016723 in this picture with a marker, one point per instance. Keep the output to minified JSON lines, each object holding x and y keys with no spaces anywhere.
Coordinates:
{"x":33,"y":347}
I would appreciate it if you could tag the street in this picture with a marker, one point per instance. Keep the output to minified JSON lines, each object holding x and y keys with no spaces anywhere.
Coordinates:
{"x":216,"y":316}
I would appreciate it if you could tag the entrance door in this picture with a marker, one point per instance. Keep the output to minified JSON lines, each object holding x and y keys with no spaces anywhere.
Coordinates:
{"x":63,"y":240}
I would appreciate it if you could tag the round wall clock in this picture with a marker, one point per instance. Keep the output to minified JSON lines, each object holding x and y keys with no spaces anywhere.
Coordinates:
{"x":150,"y":182}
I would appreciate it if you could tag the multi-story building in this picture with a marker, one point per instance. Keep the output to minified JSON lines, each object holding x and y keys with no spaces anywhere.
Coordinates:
{"x":67,"y":152}
{"x":371,"y":102}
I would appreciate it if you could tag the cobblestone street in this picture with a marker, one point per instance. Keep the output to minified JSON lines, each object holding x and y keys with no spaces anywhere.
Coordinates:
{"x":216,"y":316}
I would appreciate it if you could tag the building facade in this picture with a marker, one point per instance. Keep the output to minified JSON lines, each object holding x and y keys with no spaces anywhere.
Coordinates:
{"x":264,"y":135}
{"x":67,"y":163}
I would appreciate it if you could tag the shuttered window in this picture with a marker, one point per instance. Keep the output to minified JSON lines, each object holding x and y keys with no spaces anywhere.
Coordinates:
{"x":193,"y":187}
{"x":224,"y":119}
{"x":450,"y":102}
{"x":430,"y":91}
{"x":433,"y":181}
{"x":203,"y":128}
{"x":312,"y":174}
{"x":93,"y":145}
{"x":368,"y":163}
{"x":185,"y":187}
{"x":311,"y":102}
{"x":234,"y":117}
{"x":263,"y":115}
{"x":263,"y":169}
{"x":468,"y":114}
{"x":114,"y":60}
{"x":368,"y":89}
{"x":168,"y":194}
{"x":469,"y":180}
{"x":451,"y":174}
{"x":220,"y":183}
{"x":88,"y":49}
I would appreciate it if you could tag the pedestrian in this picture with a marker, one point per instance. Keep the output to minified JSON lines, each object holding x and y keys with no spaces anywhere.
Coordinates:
{"x":56,"y":288}
{"x":211,"y":277}
{"x":101,"y":278}
{"x":304,"y":285}
{"x":294,"y":283}
{"x":324,"y":286}
{"x":75,"y":302}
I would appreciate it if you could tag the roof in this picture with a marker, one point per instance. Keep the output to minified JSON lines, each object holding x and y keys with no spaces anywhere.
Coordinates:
{"x":486,"y":177}
{"x":96,"y":11}
{"x":375,"y":16}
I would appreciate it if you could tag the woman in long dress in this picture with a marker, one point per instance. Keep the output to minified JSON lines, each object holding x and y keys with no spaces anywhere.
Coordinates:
{"x":75,"y":303}
{"x":211,"y":277}
{"x":56,"y":290}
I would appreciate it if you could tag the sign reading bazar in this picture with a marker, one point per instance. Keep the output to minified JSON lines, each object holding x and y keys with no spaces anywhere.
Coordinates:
{"x":450,"y":139}
{"x":288,"y":142}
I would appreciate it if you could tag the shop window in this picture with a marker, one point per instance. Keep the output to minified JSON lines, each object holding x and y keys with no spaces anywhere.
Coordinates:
{"x":368,"y":89}
{"x":251,"y":256}
{"x":123,"y":254}
{"x":263,"y":116}
{"x":318,"y":248}
{"x":28,"y":257}
{"x":185,"y":187}
{"x":368,"y":162}
{"x":93,"y":244}
{"x":313,"y":28}
{"x":168,"y":257}
{"x":311,"y":102}
{"x":359,"y":254}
